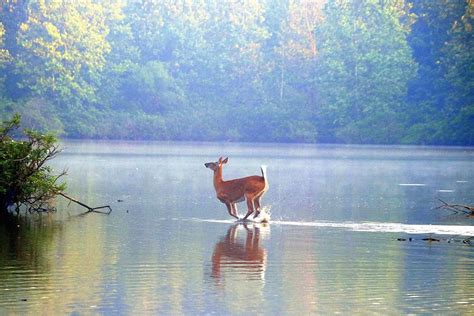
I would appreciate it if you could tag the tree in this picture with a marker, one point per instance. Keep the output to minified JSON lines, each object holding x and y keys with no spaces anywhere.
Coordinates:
{"x":4,"y":55}
{"x":25,"y":178}
{"x":459,"y":60}
{"x":254,"y":70}
{"x":62,"y":49}
{"x":212,"y":50}
{"x":12,"y":14}
{"x":292,"y":60}
{"x":124,"y":55}
{"x":429,"y":117}
{"x":150,"y":88}
{"x":362,"y":70}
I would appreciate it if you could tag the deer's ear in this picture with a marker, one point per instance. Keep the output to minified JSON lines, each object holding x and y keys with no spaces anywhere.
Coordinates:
{"x":220,"y":160}
{"x":225,"y":160}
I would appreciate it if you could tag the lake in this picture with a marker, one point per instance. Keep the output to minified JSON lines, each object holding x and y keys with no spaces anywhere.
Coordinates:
{"x":345,"y":236}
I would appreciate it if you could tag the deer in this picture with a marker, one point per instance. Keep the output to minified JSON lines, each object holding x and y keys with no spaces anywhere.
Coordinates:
{"x":234,"y":191}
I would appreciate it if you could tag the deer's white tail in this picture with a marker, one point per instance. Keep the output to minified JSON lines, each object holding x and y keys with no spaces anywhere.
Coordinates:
{"x":264,"y":174}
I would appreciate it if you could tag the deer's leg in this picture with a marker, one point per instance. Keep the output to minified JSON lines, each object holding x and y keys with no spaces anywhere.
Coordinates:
{"x":257,"y":203}
{"x":249,"y":199}
{"x":234,"y":210}
{"x":257,"y":206}
{"x":229,"y":209}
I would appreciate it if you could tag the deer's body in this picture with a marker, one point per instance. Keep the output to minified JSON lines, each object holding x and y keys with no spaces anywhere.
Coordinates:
{"x":233,"y":191}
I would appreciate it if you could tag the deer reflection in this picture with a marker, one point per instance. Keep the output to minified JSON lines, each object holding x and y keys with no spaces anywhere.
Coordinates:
{"x":243,"y":256}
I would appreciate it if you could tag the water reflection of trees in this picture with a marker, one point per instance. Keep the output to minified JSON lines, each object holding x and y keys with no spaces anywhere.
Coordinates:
{"x":24,"y":244}
{"x":23,"y":239}
{"x":41,"y":260}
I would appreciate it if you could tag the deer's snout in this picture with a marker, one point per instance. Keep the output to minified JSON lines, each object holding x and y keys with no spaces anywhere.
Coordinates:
{"x":211,"y":165}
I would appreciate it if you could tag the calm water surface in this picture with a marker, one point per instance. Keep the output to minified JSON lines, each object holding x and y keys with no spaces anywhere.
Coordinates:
{"x":169,"y":246}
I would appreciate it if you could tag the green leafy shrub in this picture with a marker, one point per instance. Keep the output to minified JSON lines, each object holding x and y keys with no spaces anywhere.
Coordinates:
{"x":26,"y":182}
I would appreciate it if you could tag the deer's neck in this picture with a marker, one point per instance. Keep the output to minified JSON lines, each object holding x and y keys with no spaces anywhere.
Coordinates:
{"x":218,"y":178}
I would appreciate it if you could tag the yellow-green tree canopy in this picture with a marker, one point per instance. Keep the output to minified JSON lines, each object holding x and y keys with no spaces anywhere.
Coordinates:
{"x":63,"y":48}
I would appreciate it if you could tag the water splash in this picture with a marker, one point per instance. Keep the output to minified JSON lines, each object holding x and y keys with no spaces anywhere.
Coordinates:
{"x":369,"y":226}
{"x":388,"y":227}
{"x":263,"y":217}
{"x":265,"y":214}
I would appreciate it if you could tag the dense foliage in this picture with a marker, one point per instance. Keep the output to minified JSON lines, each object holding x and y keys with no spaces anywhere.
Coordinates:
{"x":371,"y":71}
{"x":25,"y":179}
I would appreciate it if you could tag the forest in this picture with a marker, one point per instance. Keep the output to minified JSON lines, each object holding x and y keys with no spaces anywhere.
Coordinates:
{"x":310,"y":71}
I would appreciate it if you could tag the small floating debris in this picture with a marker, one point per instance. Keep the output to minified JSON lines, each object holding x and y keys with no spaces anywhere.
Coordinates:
{"x":405,"y":239}
{"x":461,"y":181}
{"x":445,"y":191}
{"x":468,"y":240}
{"x":431,"y":239}
{"x":412,"y":184}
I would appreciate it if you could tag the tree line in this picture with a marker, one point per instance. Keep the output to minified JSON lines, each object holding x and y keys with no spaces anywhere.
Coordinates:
{"x":328,"y":71}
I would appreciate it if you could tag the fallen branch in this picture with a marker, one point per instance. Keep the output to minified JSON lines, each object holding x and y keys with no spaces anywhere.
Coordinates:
{"x":90,"y":209}
{"x":457,"y":208}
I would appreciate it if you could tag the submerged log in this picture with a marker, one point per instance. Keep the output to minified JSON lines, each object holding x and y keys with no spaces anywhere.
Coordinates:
{"x":90,"y":209}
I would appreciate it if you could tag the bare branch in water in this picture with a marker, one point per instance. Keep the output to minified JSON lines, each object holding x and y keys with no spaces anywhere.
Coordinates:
{"x":457,"y":208}
{"x":90,"y":209}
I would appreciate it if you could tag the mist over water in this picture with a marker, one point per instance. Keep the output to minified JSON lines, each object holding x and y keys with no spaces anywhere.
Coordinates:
{"x":169,"y":246}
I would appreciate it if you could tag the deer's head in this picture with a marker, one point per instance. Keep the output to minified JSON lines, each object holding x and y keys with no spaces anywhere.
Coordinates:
{"x":216,"y":165}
